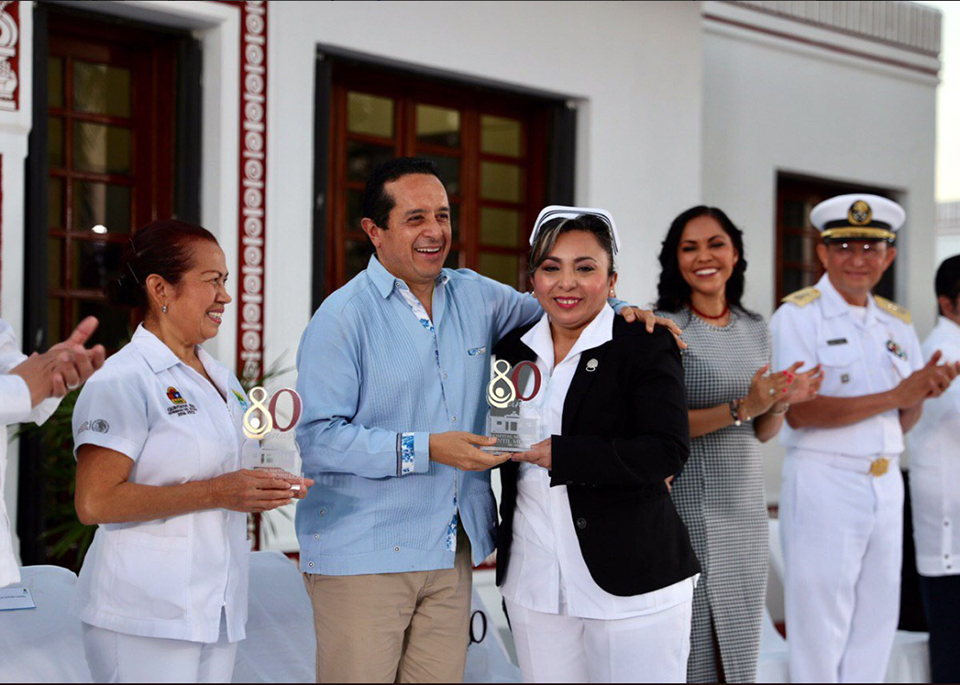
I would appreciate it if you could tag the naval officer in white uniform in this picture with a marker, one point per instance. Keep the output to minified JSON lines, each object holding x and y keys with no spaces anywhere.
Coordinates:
{"x":30,"y":390}
{"x":841,"y":507}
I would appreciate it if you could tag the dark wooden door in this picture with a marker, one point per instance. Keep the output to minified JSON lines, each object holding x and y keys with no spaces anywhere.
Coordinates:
{"x":111,"y":98}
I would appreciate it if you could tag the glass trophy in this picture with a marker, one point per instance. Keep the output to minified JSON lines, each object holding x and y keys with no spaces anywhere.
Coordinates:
{"x":269,"y":447}
{"x":512,"y":418}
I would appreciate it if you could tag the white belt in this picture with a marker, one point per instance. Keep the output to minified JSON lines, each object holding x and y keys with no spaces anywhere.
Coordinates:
{"x":868,"y":466}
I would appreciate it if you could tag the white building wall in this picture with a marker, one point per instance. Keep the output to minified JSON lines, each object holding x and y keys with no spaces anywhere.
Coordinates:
{"x":947,"y":246}
{"x":633,"y":68}
{"x":948,"y":230}
{"x":772,"y":105}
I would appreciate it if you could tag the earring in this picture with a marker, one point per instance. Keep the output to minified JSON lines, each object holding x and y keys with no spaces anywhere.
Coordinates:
{"x":611,"y":293}
{"x":163,"y":309}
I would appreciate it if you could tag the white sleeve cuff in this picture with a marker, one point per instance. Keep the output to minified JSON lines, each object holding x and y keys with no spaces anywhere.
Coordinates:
{"x":15,"y":405}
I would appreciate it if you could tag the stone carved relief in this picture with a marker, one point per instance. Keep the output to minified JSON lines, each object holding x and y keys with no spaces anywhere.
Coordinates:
{"x":9,"y":63}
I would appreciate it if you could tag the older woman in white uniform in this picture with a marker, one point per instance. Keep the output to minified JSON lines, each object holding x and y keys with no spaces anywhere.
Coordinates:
{"x":163,"y":590}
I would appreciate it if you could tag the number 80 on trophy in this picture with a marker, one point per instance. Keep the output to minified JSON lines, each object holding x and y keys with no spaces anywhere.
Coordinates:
{"x":512,"y":418}
{"x":271,"y":447}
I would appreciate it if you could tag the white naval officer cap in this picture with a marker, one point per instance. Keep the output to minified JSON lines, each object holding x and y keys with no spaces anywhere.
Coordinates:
{"x":858,"y":216}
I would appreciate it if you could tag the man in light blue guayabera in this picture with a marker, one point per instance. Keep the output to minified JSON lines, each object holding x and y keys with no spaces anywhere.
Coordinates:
{"x":392,"y":372}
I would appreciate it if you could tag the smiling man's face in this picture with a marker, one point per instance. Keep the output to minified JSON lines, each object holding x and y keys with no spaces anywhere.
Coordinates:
{"x":416,"y":241}
{"x":856,"y":266}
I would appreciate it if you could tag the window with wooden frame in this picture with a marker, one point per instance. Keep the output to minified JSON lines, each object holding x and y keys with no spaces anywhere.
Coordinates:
{"x":111,"y":96}
{"x":797,"y":263}
{"x":490,"y":148}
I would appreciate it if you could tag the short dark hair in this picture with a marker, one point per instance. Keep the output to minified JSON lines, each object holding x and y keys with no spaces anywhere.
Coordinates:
{"x":673,"y":292}
{"x":553,"y":229}
{"x":377,"y":202}
{"x":947,"y":283}
{"x":161,"y":248}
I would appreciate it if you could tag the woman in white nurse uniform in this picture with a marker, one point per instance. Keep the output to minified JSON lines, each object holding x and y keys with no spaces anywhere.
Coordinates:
{"x":163,"y":590}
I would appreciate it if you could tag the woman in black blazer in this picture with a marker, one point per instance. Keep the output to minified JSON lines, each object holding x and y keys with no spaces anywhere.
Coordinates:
{"x":595,"y":565}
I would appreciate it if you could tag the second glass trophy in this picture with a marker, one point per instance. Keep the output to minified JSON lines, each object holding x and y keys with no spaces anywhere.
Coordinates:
{"x":269,"y":447}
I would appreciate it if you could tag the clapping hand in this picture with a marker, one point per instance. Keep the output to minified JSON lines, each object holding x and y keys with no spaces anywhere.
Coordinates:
{"x":64,"y":367}
{"x":802,"y":387}
{"x":930,"y":381}
{"x":765,"y":391}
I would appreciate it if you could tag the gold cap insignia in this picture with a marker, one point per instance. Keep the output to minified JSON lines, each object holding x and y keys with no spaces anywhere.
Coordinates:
{"x":859,"y":213}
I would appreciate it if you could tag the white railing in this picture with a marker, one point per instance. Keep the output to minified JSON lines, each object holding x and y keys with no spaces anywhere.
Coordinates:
{"x":906,"y":25}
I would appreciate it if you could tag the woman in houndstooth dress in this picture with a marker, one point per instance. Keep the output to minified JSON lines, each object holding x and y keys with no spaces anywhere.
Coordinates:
{"x":719,"y":493}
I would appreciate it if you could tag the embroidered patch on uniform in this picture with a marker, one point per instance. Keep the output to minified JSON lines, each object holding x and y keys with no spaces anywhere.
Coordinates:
{"x":174,"y":396}
{"x":241,"y":399}
{"x":100,"y":426}
{"x":896,"y":350}
{"x":476,"y":351}
{"x":845,"y":378}
{"x":837,"y":341}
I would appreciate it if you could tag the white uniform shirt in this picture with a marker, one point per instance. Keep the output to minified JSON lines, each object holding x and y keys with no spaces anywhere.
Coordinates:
{"x":547,"y":572}
{"x":15,"y":407}
{"x":168,"y":577}
{"x":858,"y":357}
{"x":935,"y":467}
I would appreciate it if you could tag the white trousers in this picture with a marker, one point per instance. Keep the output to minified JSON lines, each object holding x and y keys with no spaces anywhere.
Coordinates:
{"x":120,"y":658}
{"x":552,"y":648}
{"x":842,"y":533}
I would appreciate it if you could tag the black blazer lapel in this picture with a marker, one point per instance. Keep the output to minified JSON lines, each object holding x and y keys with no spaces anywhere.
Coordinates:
{"x":580,"y":385}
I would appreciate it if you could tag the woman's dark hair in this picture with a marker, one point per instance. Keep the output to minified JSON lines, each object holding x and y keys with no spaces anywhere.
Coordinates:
{"x":161,"y":248}
{"x":553,"y":229}
{"x":673,"y":292}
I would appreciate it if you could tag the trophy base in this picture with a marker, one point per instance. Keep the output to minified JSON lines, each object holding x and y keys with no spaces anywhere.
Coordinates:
{"x":296,"y":482}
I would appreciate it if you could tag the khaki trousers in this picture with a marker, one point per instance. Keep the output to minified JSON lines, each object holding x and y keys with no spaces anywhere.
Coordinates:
{"x":393,"y":627}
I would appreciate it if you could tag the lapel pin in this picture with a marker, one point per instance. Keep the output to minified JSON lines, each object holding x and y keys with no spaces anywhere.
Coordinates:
{"x":592,"y":365}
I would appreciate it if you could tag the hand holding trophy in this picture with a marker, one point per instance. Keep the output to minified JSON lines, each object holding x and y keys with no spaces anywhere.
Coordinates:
{"x":269,"y":447}
{"x":513,"y":419}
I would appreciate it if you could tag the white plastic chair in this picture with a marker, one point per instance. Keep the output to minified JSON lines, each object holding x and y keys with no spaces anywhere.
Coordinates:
{"x":43,"y":645}
{"x":281,"y":646}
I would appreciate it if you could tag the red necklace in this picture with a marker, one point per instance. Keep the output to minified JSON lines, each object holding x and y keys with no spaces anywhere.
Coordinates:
{"x":722,"y":314}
